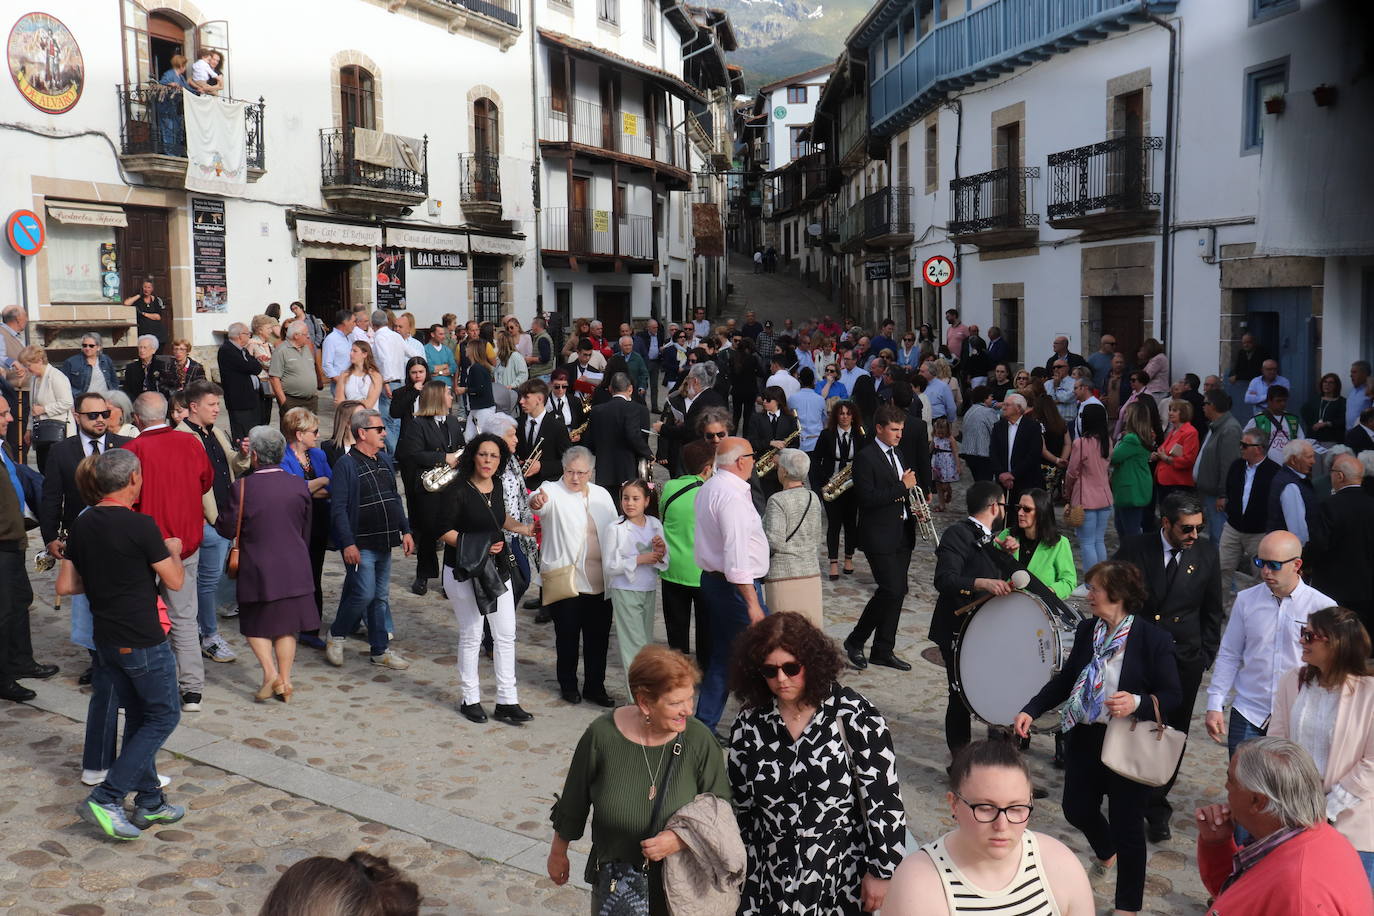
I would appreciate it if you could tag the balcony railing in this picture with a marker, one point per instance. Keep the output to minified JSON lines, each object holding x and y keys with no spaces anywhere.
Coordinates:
{"x":480,"y":177}
{"x":617,"y":131}
{"x":582,"y":231}
{"x":1108,"y":177}
{"x":853,"y":127}
{"x":151,"y":123}
{"x":340,"y":168}
{"x":887,"y":212}
{"x":993,"y":200}
{"x":506,"y":11}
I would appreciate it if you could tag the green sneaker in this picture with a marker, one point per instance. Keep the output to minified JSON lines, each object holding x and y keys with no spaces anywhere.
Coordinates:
{"x":164,"y":814}
{"x":109,"y":818}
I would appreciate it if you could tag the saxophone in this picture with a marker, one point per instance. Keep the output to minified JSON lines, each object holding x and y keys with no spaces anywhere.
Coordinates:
{"x":580,"y":430}
{"x":769,"y":459}
{"x":838,"y":484}
{"x":439,"y":476}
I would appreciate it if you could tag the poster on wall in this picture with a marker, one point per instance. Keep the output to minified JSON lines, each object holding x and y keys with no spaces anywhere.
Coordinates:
{"x":109,"y":272}
{"x":391,"y":278}
{"x":207,"y":254}
{"x":45,"y":63}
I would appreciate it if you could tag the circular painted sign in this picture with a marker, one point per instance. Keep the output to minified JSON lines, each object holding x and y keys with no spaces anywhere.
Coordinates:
{"x":45,"y":62}
{"x":938,"y":270}
{"x":25,"y":232}
{"x":779,"y":113}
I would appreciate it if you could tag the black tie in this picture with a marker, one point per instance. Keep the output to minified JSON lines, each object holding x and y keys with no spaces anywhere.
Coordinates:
{"x":892,"y":457}
{"x":529,"y":436}
{"x":844,"y":445}
{"x":95,"y":446}
{"x":558,"y":407}
{"x":773,"y":419}
{"x":1171,"y":568}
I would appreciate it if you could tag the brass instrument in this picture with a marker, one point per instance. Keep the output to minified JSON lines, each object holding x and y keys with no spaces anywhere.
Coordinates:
{"x":644,"y":470}
{"x":534,"y":456}
{"x":439,"y":476}
{"x":580,"y":430}
{"x":43,"y":561}
{"x":838,"y":484}
{"x":920,"y":510}
{"x":769,"y":459}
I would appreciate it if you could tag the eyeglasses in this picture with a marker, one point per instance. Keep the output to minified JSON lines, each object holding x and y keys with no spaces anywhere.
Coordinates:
{"x":90,"y":346}
{"x":1188,"y":529}
{"x":986,"y":814}
{"x":1273,"y":565}
{"x":720,"y":435}
{"x":571,"y":473}
{"x":1308,"y":635}
{"x":770,"y":672}
{"x":559,"y":387}
{"x":1026,"y":509}
{"x":908,"y":340}
{"x":1245,"y":445}
{"x":750,"y":455}
{"x":96,"y":414}
{"x":371,"y":429}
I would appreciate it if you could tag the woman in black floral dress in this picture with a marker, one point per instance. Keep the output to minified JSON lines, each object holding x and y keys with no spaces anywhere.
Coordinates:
{"x":813,"y":773}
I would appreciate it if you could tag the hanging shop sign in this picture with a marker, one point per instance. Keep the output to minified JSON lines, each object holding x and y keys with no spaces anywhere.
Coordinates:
{"x":514,"y":248}
{"x":338,"y":233}
{"x":391,"y":278}
{"x":207,"y":255}
{"x":438,"y":260}
{"x":45,"y":62}
{"x":400,"y":237}
{"x":877,"y":270}
{"x":78,"y":214}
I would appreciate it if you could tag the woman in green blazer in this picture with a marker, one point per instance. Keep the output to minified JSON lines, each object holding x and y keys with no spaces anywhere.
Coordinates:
{"x":1034,"y":540}
{"x":1132,"y":482}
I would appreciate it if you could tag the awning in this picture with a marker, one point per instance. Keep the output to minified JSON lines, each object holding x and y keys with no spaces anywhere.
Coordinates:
{"x":78,"y":214}
{"x":707,"y":231}
{"x":338,"y":233}
{"x":397,"y":237}
{"x":495,"y":244}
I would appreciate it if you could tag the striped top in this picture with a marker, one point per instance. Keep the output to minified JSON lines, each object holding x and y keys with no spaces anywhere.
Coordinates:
{"x":1027,"y":893}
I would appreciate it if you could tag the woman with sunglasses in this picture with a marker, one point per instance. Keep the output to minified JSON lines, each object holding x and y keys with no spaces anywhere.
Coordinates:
{"x":814,"y":777}
{"x":1034,"y":540}
{"x":92,"y":370}
{"x":908,"y":354}
{"x":990,"y":861}
{"x":1327,"y":706}
{"x":830,"y":387}
{"x":1119,"y":661}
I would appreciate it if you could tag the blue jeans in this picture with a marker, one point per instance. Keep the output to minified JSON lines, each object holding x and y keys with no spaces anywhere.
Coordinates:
{"x":392,"y":424}
{"x":102,"y":719}
{"x":1092,"y":536}
{"x":1214,"y":520}
{"x":364,"y":597}
{"x":145,"y":683}
{"x":1367,"y":860}
{"x":83,"y":627}
{"x":1128,"y":520}
{"x":729,"y":618}
{"x":1240,"y":730}
{"x":214,"y":550}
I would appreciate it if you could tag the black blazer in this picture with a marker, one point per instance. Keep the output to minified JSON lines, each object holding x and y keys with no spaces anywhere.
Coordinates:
{"x":1255,"y":518}
{"x":1147,"y":669}
{"x":136,"y":381}
{"x":958,"y":561}
{"x":556,"y":441}
{"x":617,"y":439}
{"x":1340,"y":548}
{"x":1025,"y":459}
{"x":423,"y":446}
{"x":403,"y":408}
{"x":881,"y":499}
{"x":577,"y":412}
{"x":62,"y":501}
{"x":1190,"y":609}
{"x":236,"y":372}
{"x":686,"y":431}
{"x":1359,"y":439}
{"x":760,"y":430}
{"x":824,"y":464}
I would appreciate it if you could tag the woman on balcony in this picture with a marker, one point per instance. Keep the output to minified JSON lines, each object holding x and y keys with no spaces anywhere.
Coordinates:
{"x":171,"y":122}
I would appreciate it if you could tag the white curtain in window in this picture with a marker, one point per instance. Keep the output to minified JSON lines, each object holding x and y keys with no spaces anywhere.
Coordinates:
{"x":74,"y":261}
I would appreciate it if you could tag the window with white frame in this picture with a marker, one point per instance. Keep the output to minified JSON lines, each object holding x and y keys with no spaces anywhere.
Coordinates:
{"x":651,"y":21}
{"x":1263,"y":83}
{"x":608,"y":11}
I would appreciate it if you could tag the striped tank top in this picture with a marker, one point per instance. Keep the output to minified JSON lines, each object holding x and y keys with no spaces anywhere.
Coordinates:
{"x":1026,"y":894}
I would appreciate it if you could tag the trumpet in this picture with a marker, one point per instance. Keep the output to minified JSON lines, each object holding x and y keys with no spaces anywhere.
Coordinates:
{"x":534,"y":456}
{"x":838,"y":484}
{"x":769,"y":459}
{"x":439,"y":476}
{"x":920,"y":510}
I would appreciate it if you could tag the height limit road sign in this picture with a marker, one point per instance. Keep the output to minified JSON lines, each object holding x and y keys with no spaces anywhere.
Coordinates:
{"x":938,"y":270}
{"x":25,"y":232}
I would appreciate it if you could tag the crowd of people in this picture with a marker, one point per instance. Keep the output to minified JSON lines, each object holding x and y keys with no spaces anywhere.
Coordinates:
{"x":535,"y":461}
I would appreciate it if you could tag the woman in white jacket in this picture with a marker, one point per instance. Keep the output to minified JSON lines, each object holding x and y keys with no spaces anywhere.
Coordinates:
{"x":573,"y":512}
{"x":635,"y":553}
{"x":52,"y":402}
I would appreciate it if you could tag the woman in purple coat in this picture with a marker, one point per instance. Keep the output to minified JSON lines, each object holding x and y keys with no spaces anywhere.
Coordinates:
{"x":275,"y":588}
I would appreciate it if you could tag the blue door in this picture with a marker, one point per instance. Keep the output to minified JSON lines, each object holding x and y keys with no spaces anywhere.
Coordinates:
{"x":1281,"y":320}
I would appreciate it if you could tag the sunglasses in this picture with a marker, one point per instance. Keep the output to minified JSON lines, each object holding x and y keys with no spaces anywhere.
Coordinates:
{"x":89,"y":346}
{"x":1188,"y":529}
{"x":1307,"y":635}
{"x":96,"y":414}
{"x":715,"y":435}
{"x":371,"y":429}
{"x":1272,"y":565}
{"x":1026,"y":509}
{"x":559,"y":387}
{"x":770,"y":672}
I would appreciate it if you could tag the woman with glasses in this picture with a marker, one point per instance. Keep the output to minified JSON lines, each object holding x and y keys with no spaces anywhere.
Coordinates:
{"x":51,"y":402}
{"x":1024,"y":385}
{"x":1173,"y":460}
{"x":1119,"y":661}
{"x":306,"y":460}
{"x":908,"y":354}
{"x":836,"y":446}
{"x":562,"y":402}
{"x":814,"y":777}
{"x":1327,"y":706}
{"x":823,"y":355}
{"x":1034,"y":540}
{"x":830,"y":387}
{"x":92,"y":370}
{"x":519,"y":341}
{"x":990,"y":862}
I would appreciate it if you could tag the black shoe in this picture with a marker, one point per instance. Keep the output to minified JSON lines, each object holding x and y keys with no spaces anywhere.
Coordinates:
{"x":511,"y":714}
{"x":85,"y":677}
{"x":1157,"y":831}
{"x":533,"y":604}
{"x":473,"y":712}
{"x":15,"y":692}
{"x":571,"y":696}
{"x":419,"y":586}
{"x":856,"y":656}
{"x":890,"y":661}
{"x":543,"y":617}
{"x":1058,"y":762}
{"x":40,"y":672}
{"x":600,"y":698}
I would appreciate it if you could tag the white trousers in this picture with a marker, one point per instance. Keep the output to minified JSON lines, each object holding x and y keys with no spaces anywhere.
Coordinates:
{"x":502,"y":622}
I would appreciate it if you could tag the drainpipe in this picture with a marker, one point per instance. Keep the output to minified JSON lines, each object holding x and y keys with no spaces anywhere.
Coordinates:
{"x":958,"y":249}
{"x":1166,"y":278}
{"x":537,"y":170}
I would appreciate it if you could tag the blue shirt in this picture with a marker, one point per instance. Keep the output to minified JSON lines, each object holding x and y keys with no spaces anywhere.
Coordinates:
{"x":941,"y":399}
{"x":849,"y":376}
{"x":837,"y":390}
{"x":810,"y":408}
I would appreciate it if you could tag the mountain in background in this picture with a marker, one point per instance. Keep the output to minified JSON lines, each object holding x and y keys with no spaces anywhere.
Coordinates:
{"x":780,"y":37}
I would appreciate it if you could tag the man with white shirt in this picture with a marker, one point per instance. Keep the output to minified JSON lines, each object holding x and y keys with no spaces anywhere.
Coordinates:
{"x":389,"y":352}
{"x":1246,"y":504}
{"x":1257,"y":392}
{"x":1060,"y":387}
{"x":334,"y":359}
{"x":405,"y":326}
{"x":781,"y":377}
{"x":850,"y":370}
{"x":361,"y":328}
{"x":1083,"y":396}
{"x":700,"y":326}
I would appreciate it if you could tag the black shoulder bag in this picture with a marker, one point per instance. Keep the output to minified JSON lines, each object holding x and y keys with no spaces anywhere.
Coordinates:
{"x":622,"y":887}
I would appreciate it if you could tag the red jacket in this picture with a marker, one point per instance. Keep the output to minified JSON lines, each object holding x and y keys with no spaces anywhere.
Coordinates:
{"x":1316,"y":871}
{"x":176,"y":473}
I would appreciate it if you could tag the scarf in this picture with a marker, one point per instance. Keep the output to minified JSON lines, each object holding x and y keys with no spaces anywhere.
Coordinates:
{"x":1085,"y":700}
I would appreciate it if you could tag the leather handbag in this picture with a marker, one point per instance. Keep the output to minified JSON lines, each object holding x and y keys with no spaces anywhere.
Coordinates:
{"x":622,"y":888}
{"x":49,"y":432}
{"x":231,"y":562}
{"x":1074,"y":515}
{"x":1142,"y":751}
{"x":559,"y":584}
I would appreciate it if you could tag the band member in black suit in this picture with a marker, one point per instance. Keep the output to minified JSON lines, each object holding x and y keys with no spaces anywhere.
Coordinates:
{"x":1339,"y":552}
{"x":432,"y":438}
{"x":62,"y":501}
{"x":966,"y":569}
{"x":617,"y":436}
{"x":238,"y":373}
{"x":1361,"y":437}
{"x":537,"y":425}
{"x":841,"y":440}
{"x":564,"y":405}
{"x":698,"y":394}
{"x":915,"y":444}
{"x":1015,"y":448}
{"x":1183,"y":579}
{"x":882,"y":481}
{"x":769,"y":428}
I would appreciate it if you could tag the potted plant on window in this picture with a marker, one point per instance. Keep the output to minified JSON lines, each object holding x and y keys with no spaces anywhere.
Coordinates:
{"x":1274,"y":104}
{"x":1324,"y":95}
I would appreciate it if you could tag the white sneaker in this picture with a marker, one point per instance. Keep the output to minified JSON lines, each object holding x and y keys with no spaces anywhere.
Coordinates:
{"x":96,"y":777}
{"x":391,"y":659}
{"x":216,"y":649}
{"x":1080,"y":592}
{"x":333,"y":651}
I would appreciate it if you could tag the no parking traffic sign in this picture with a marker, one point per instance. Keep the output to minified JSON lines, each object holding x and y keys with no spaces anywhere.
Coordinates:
{"x":25,"y":232}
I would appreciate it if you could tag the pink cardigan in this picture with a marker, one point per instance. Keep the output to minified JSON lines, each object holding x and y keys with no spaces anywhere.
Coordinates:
{"x":1351,"y":761}
{"x":1087,"y":475}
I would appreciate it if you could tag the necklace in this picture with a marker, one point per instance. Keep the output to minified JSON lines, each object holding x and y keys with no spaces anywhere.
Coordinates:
{"x":797,"y":715}
{"x":652,"y":771}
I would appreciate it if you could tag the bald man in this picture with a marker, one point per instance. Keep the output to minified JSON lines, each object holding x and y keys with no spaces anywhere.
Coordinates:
{"x":1340,"y":545}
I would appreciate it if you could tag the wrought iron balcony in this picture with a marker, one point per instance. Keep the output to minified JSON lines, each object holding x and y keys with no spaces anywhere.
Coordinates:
{"x":579,"y":231}
{"x":887,"y":216}
{"x":350,"y":184}
{"x":992,"y":209}
{"x":1105,"y":185}
{"x":573,"y":120}
{"x":152,"y":134}
{"x":506,"y":11}
{"x":481,"y":178}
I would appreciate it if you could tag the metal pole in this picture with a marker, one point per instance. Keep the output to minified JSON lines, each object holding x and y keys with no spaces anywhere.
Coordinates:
{"x":24,"y":292}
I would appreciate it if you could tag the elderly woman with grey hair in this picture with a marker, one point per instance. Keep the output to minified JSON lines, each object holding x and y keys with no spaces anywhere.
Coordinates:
{"x":793,"y":522}
{"x":121,"y":415}
{"x":91,"y":369}
{"x":269,"y":513}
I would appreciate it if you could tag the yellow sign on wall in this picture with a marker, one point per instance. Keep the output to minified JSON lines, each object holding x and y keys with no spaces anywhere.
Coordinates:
{"x":629,"y":124}
{"x":601,"y":221}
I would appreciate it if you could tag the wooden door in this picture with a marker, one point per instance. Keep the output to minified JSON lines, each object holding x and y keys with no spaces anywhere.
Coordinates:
{"x":1126,"y":167}
{"x":144,"y":248}
{"x":1007,"y":193}
{"x":609,"y":115}
{"x":580,"y":215}
{"x":613,"y":307}
{"x":1123,"y":317}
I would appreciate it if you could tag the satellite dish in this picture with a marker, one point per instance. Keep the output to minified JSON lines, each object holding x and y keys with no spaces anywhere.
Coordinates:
{"x":814,"y":230}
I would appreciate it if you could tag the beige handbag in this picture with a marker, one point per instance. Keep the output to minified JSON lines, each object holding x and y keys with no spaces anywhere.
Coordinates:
{"x":1149,"y":754}
{"x":1074,"y":516}
{"x":558,"y":584}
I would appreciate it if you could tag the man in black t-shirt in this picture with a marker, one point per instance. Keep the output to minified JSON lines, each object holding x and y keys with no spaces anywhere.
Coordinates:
{"x":151,"y":312}
{"x":114,"y":556}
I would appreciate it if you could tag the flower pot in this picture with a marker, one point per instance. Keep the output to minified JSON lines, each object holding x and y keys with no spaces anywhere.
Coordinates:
{"x":1275,"y":105}
{"x":1324,"y":95}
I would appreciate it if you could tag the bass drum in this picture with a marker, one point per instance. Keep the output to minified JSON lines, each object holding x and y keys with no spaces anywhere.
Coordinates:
{"x":1006,"y":651}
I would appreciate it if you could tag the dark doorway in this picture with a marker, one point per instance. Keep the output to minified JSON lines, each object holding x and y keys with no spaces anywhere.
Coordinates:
{"x":1123,"y":317}
{"x":166,"y":38}
{"x":676,"y":296}
{"x":326,"y":288}
{"x":1281,"y":320}
{"x":613,"y":306}
{"x":143,"y":245}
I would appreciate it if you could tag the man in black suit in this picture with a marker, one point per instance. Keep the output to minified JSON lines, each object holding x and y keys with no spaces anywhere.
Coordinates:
{"x":62,"y":500}
{"x":1246,"y":504}
{"x":1361,"y":437}
{"x":1339,"y":552}
{"x":1183,"y":579}
{"x":536,"y":425}
{"x":650,"y":344}
{"x":698,"y":393}
{"x":1015,"y":447}
{"x":562,"y":404}
{"x":887,"y":529}
{"x":238,"y":374}
{"x":915,"y":444}
{"x":617,"y":436}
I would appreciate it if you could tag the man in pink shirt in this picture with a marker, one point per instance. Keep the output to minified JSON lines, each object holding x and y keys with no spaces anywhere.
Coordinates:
{"x":957,"y":334}
{"x":732,"y":552}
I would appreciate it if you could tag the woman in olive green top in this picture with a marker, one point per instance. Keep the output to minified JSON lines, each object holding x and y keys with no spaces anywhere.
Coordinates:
{"x":618,"y":771}
{"x":1132,"y":481}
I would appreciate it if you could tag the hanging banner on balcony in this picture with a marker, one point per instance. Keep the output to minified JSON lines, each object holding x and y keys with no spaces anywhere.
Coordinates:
{"x":601,"y":220}
{"x":216,"y":145}
{"x":45,"y":62}
{"x":207,"y":255}
{"x":629,"y":124}
{"x":391,"y":278}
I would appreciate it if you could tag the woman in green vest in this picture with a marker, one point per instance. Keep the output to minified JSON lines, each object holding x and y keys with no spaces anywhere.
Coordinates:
{"x":681,"y":581}
{"x":1132,"y":482}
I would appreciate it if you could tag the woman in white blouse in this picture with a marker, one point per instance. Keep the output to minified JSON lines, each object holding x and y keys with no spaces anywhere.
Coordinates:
{"x":51,"y":402}
{"x":1327,"y":706}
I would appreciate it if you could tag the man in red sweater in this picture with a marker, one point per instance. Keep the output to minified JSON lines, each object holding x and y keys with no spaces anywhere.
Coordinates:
{"x":176,"y":474}
{"x":1297,"y":862}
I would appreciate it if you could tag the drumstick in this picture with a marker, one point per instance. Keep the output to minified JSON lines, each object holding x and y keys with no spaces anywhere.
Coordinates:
{"x":1019,"y":580}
